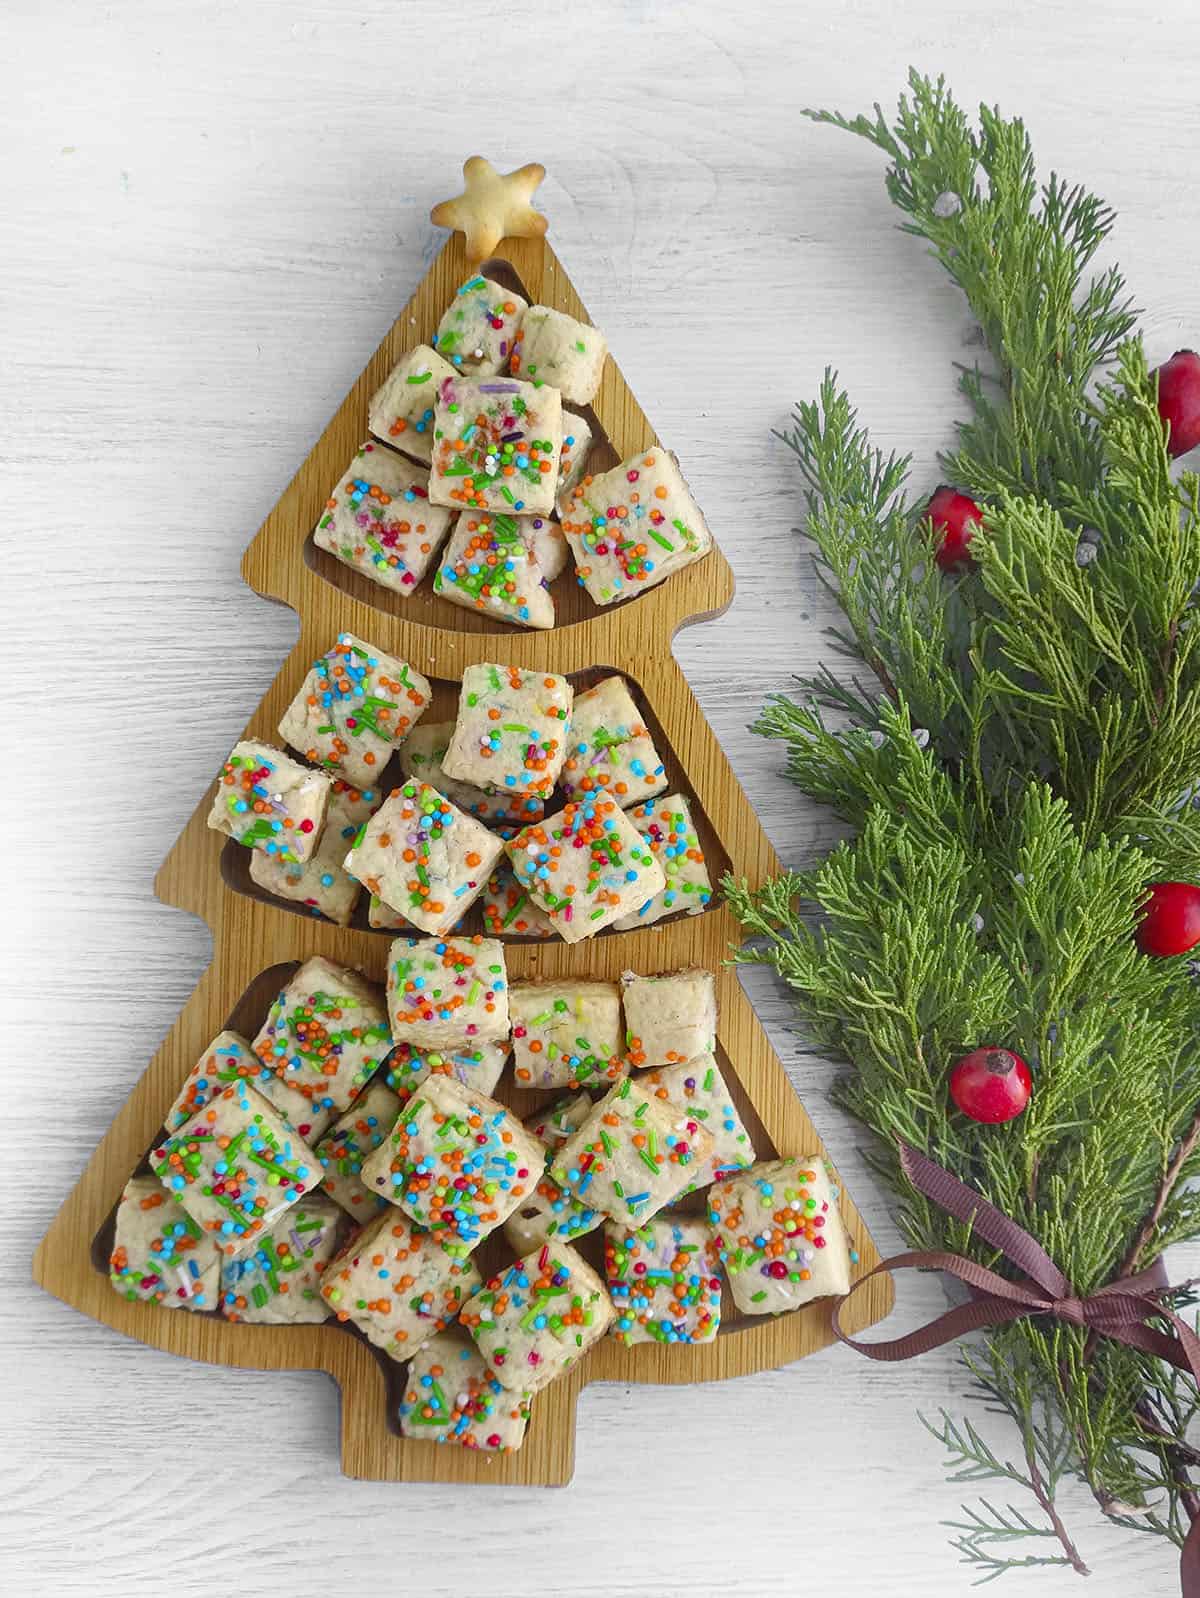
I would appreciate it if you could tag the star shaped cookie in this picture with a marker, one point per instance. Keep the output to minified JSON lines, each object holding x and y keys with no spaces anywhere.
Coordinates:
{"x":493,"y":206}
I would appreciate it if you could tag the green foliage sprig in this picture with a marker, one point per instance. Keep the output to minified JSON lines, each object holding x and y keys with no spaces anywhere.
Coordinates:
{"x":1018,"y":751}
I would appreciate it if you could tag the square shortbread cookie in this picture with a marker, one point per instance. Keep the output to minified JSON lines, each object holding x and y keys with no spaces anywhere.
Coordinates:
{"x":424,"y":856}
{"x":478,"y":328}
{"x":552,"y":347}
{"x":585,"y":867}
{"x":780,"y":1235}
{"x":666,"y":824}
{"x":573,"y":457}
{"x":353,"y":708}
{"x":322,"y":882}
{"x":446,"y":991}
{"x":451,"y":1396}
{"x":401,"y":412}
{"x":700,"y":1088}
{"x":491,"y":566}
{"x":324,"y":1038}
{"x":496,"y":445}
{"x":397,"y":1284}
{"x":508,"y":909}
{"x":278,"y":1283}
{"x":566,"y":1034}
{"x":161,"y":1255}
{"x":236,"y":1168}
{"x":669,"y":1018}
{"x":266,"y":800}
{"x":421,"y":757}
{"x":348,"y":1142}
{"x":379,"y":521}
{"x":478,"y":1066}
{"x":610,"y":750}
{"x":632,"y":1155}
{"x":228,"y":1058}
{"x":535,"y":1319}
{"x":457,"y":1162}
{"x":511,"y":730}
{"x":662,"y":1281}
{"x":631,"y":527}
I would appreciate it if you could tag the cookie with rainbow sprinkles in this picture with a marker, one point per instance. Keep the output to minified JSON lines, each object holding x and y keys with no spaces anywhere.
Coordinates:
{"x":632,"y":527}
{"x":585,"y":867}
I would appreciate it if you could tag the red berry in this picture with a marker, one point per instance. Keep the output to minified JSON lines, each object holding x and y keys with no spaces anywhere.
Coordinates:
{"x":1179,"y":400}
{"x":991,"y":1085}
{"x":1171,"y":924}
{"x":954,"y":517}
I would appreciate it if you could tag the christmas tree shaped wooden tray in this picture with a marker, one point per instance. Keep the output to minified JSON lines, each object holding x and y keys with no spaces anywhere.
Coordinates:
{"x":258,"y":941}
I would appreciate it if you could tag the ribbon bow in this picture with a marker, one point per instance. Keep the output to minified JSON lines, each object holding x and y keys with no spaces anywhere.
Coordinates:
{"x":1120,"y":1310}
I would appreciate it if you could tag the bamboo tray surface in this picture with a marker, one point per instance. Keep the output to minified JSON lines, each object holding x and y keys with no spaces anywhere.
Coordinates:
{"x":259,"y":941}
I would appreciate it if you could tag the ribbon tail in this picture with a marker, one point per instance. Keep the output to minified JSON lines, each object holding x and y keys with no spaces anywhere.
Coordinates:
{"x":1147,"y":1340}
{"x":997,"y":1301}
{"x":1189,"y":1343}
{"x":1116,"y":1312}
{"x":1189,"y":1563}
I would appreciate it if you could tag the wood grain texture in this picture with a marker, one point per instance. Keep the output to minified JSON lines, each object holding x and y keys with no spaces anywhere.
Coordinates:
{"x":255,"y":935}
{"x":209,"y":215}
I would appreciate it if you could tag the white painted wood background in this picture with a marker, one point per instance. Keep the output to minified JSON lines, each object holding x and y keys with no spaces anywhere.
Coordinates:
{"x":209,"y":213}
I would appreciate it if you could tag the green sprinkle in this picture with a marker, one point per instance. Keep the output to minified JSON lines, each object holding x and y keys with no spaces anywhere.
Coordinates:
{"x":516,"y":910}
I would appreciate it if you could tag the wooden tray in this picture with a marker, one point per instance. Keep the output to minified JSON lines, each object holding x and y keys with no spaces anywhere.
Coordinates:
{"x":257,"y":941}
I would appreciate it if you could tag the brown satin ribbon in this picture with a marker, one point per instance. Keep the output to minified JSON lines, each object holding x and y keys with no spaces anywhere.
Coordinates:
{"x":1119,"y":1310}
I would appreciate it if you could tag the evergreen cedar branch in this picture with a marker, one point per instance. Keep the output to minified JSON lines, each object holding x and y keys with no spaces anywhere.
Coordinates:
{"x":1000,"y":861}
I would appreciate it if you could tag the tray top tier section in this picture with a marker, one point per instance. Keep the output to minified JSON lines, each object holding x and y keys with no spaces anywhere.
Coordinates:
{"x":283,"y":562}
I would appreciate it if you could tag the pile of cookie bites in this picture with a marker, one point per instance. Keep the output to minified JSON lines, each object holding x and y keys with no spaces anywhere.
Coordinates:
{"x":499,"y":468}
{"x":353,"y":1157}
